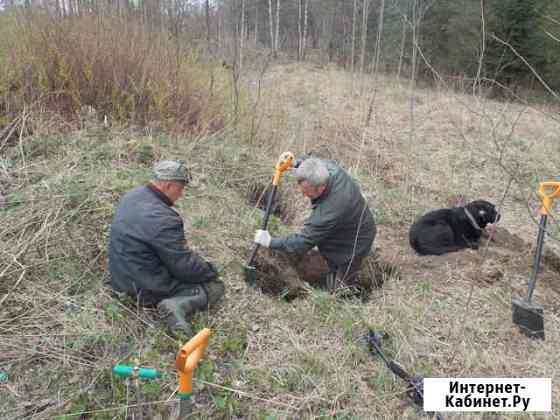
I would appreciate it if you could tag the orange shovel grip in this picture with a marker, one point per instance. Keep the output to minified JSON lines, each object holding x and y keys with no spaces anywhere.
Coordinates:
{"x":285,"y":162}
{"x":188,"y":357}
{"x":547,"y":195}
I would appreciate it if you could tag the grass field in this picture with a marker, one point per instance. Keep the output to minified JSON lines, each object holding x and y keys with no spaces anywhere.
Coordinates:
{"x":61,"y":331}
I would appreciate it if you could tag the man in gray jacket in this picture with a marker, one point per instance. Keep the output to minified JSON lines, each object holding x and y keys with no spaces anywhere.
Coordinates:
{"x":148,"y":254}
{"x":341,"y":224}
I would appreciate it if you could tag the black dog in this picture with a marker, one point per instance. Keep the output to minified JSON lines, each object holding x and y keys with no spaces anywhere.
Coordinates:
{"x":448,"y":230}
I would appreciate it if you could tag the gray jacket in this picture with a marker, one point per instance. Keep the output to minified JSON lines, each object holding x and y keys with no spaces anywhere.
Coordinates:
{"x":148,"y":253}
{"x":340,"y":223}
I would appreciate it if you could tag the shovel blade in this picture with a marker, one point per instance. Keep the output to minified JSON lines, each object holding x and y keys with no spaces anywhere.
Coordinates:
{"x":250,"y":272}
{"x":528,"y":317}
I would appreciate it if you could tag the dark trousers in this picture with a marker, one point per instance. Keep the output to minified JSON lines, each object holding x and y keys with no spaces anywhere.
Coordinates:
{"x":314,"y":269}
{"x":214,"y":291}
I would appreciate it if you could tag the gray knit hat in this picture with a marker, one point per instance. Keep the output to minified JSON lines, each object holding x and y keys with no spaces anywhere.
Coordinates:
{"x":171,"y":170}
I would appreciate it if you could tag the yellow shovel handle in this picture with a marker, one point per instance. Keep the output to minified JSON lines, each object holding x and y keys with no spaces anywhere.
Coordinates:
{"x":285,"y":162}
{"x":548,"y":191}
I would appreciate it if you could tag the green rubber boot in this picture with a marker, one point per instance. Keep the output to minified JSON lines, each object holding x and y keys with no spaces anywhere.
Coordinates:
{"x":177,"y":310}
{"x":215,"y":290}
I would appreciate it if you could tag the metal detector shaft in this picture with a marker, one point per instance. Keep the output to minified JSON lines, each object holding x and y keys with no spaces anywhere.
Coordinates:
{"x":538,"y":255}
{"x":378,"y":350}
{"x":264,"y":223}
{"x":415,"y":383}
{"x":391,"y":364}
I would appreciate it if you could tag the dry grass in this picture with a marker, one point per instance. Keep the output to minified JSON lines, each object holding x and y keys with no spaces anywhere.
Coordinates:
{"x":271,"y":359}
{"x":114,"y":66}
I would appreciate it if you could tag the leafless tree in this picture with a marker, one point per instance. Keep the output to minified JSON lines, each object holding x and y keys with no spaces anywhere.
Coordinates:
{"x":304,"y":41}
{"x":207,"y":8}
{"x":365,"y":14}
{"x":277,"y":27}
{"x":300,"y":29}
{"x":256,"y":23}
{"x":242,"y":34}
{"x":353,"y":52}
{"x":401,"y":49}
{"x":271,"y":24}
{"x":376,"y":62}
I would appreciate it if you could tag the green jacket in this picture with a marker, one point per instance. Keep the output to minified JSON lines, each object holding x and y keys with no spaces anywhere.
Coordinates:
{"x":340,"y":223}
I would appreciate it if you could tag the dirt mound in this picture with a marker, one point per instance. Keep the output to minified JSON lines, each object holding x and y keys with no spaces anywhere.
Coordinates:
{"x":277,"y":276}
{"x":502,"y":255}
{"x":502,"y":238}
{"x":290,"y":276}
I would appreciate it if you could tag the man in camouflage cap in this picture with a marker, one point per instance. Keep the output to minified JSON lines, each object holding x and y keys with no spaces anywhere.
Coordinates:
{"x":148,"y":254}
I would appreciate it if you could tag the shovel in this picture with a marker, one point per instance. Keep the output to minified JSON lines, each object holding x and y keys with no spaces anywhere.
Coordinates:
{"x":285,"y":162}
{"x":527,"y":315}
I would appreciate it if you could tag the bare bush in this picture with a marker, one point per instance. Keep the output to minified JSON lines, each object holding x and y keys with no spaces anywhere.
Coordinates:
{"x":116,"y":67}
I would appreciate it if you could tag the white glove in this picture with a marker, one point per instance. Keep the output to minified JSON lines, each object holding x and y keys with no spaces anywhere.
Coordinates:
{"x":262,"y":237}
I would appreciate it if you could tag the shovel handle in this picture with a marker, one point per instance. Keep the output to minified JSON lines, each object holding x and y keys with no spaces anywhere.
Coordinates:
{"x":548,"y":191}
{"x":285,"y":162}
{"x":264,"y":223}
{"x":187,"y":359}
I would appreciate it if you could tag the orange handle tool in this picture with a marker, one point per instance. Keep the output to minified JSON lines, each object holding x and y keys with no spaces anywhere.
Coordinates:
{"x":187,"y":359}
{"x":548,"y":191}
{"x":285,"y":162}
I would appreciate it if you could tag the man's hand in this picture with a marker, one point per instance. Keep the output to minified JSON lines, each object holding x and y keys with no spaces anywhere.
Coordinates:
{"x":262,"y":237}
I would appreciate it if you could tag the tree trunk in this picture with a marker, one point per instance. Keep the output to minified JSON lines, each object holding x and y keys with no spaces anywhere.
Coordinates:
{"x":271,"y":22}
{"x":219,"y":29}
{"x":476,"y":83}
{"x":304,"y":40}
{"x":242,"y":35}
{"x":364,"y":34}
{"x":256,"y":23}
{"x":300,"y":32}
{"x":277,"y":27}
{"x":413,"y":71}
{"x":235,"y":66}
{"x":401,"y":54}
{"x":157,"y":15}
{"x":379,"y":35}
{"x":376,"y":62}
{"x":353,"y":50}
{"x":208,"y":26}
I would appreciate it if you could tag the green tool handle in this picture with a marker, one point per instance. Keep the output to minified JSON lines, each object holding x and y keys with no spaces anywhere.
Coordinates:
{"x":125,"y":371}
{"x":537,"y":258}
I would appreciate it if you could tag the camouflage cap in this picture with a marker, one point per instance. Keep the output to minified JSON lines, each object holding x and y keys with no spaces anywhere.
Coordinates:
{"x":171,"y":170}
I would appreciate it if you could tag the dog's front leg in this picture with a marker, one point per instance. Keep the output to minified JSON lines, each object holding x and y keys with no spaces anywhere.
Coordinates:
{"x":471,"y":243}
